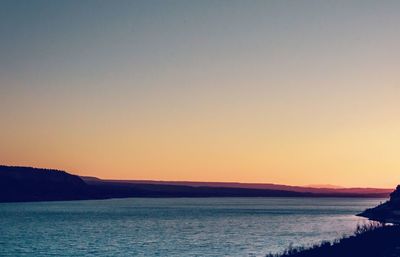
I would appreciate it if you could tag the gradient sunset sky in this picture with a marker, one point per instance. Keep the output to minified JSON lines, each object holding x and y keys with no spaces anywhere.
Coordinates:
{"x":289,"y":92}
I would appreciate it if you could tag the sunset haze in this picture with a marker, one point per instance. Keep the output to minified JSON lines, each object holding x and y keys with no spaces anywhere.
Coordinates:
{"x":285,"y":92}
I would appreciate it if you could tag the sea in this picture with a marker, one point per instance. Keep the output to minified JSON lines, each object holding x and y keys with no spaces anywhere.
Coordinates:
{"x":181,"y":227}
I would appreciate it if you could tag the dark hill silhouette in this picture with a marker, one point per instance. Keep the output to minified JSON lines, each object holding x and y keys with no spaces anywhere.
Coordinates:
{"x":33,"y":184}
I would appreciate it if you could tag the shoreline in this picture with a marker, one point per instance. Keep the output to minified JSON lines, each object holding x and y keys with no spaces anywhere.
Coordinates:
{"x":198,"y":197}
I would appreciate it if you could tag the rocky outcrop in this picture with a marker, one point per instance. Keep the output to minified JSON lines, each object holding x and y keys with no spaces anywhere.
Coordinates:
{"x":388,"y":212}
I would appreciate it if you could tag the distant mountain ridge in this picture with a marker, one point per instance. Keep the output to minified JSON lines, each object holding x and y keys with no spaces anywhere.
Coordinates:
{"x":24,"y":184}
{"x":374,"y":192}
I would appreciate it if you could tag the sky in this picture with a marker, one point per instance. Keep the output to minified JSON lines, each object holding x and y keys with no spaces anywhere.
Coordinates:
{"x":288,"y":92}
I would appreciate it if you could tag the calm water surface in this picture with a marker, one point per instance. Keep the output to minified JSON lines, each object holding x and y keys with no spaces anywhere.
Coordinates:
{"x":174,"y":226}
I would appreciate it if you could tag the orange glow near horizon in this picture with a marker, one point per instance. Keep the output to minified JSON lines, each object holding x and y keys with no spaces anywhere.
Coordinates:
{"x":356,"y":156}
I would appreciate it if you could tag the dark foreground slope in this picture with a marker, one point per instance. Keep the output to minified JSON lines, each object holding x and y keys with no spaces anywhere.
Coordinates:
{"x":388,"y":212}
{"x":375,"y":242}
